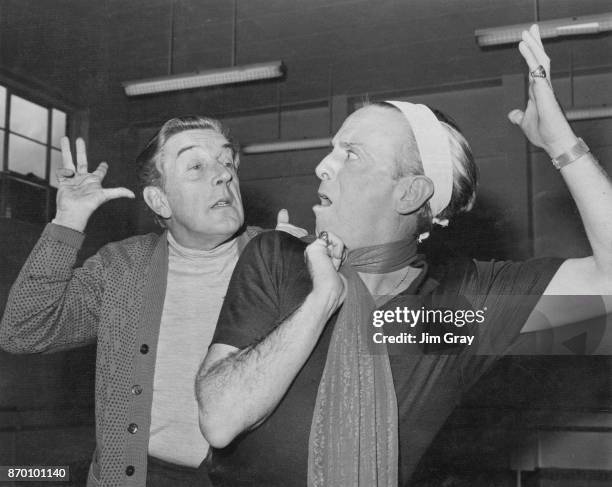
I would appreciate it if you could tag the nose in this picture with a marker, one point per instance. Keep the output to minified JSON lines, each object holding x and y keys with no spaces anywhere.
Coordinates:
{"x":223,"y":175}
{"x":325,"y":168}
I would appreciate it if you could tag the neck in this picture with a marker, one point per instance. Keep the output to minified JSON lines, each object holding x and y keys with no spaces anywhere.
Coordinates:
{"x":198,"y":241}
{"x":386,"y":267}
{"x":403,"y":228}
{"x":390,"y":283}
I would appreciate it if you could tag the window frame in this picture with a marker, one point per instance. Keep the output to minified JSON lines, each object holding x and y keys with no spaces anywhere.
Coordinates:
{"x":42,"y":96}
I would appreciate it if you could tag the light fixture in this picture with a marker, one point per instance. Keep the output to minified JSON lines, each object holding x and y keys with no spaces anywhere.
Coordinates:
{"x":571,"y":26}
{"x":212,"y":77}
{"x":588,"y":113}
{"x":287,"y":145}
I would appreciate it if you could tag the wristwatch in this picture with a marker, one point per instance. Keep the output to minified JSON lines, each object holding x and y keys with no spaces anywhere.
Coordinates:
{"x":571,"y":155}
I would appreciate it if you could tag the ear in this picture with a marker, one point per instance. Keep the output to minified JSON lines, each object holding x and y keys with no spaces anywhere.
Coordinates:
{"x":156,"y":199}
{"x":412,"y":192}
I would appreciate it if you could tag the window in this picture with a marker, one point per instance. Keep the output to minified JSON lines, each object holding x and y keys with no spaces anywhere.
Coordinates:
{"x":30,"y":132}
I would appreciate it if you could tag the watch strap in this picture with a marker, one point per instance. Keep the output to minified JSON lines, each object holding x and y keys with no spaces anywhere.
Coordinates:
{"x":571,"y":155}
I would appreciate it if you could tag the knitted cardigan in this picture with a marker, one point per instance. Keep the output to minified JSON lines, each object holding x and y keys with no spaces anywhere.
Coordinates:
{"x":116,"y":297}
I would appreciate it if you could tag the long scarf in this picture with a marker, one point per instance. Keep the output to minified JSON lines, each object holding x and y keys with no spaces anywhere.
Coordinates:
{"x":354,"y":432}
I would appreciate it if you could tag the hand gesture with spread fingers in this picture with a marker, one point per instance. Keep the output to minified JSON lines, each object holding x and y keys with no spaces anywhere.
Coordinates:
{"x":80,"y":192}
{"x":542,"y":121}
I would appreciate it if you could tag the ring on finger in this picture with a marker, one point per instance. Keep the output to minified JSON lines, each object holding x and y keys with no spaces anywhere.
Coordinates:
{"x":325,"y":237}
{"x":538,"y":72}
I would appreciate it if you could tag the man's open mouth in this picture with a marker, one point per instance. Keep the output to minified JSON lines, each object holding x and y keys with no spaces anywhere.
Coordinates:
{"x":221,"y":204}
{"x":325,"y":201}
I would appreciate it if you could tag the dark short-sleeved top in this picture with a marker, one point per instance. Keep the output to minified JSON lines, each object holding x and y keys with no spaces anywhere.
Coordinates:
{"x":271,"y":281}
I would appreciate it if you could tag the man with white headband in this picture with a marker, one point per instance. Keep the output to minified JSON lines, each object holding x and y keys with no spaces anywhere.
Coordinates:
{"x":292,"y":392}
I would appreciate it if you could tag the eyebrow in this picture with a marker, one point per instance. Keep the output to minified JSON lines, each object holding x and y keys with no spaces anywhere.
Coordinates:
{"x":348,"y":145}
{"x":194,"y":146}
{"x":352,"y":146}
{"x":233,"y":147}
{"x":185,"y":149}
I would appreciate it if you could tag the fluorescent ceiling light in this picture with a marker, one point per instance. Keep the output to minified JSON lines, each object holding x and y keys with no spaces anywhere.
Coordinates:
{"x":287,"y":145}
{"x":213,"y":77}
{"x":588,"y":113}
{"x":571,"y":26}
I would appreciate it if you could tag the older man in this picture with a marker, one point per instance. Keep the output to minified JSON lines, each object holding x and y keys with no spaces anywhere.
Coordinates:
{"x":292,"y":383}
{"x":151,"y":301}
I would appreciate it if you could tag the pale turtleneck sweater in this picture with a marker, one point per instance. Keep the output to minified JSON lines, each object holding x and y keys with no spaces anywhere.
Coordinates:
{"x":197,"y":283}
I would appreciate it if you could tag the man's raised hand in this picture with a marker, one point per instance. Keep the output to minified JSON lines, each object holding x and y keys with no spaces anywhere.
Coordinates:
{"x":542,"y":121}
{"x":80,"y":192}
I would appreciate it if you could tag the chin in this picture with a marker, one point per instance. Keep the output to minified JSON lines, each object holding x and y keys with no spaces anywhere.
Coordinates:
{"x":231,"y":227}
{"x":322,"y":223}
{"x":227,"y":217}
{"x":227,"y":228}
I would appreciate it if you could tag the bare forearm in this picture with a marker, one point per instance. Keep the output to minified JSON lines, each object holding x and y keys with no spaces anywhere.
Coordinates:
{"x":591,"y":189}
{"x":242,"y":389}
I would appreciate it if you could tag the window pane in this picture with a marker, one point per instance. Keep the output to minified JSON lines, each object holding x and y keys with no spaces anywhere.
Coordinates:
{"x":28,"y":119}
{"x":2,"y":105}
{"x":56,"y":163}
{"x":26,"y":156}
{"x":58,"y":130}
{"x":1,"y":150}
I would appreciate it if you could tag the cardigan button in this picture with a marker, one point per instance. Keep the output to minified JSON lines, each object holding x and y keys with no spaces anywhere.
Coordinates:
{"x":133,"y":428}
{"x":129,"y":470}
{"x":144,"y":348}
{"x":136,"y":390}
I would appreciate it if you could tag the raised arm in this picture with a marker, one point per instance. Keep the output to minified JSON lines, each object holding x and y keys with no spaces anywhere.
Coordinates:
{"x":51,"y":306}
{"x":238,"y":389}
{"x":545,"y":126}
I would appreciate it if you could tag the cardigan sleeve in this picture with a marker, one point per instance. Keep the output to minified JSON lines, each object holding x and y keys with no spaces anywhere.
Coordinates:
{"x":52,"y":306}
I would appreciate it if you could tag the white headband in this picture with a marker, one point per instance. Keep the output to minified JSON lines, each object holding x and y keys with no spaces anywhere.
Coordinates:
{"x":434,"y":148}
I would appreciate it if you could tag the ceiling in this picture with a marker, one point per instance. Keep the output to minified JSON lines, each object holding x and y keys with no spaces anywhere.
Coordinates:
{"x":86,"y":48}
{"x":329,"y":46}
